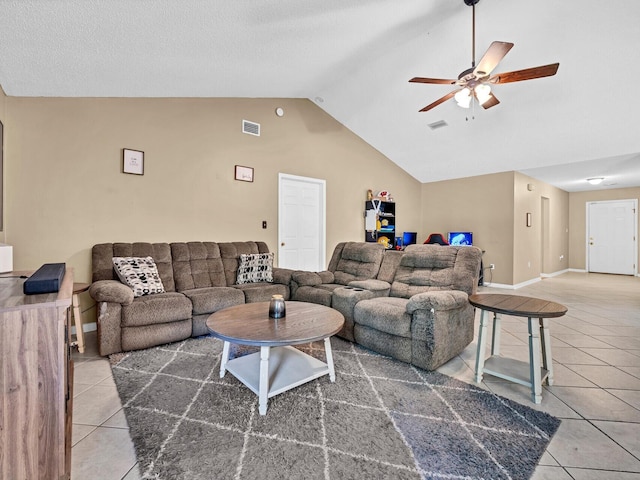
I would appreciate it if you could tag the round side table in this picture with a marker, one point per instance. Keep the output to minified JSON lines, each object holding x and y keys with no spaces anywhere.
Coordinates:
{"x":537,"y":311}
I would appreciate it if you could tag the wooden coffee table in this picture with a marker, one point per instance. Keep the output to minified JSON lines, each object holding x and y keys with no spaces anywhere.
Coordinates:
{"x":278,"y":366}
{"x":531,"y":374}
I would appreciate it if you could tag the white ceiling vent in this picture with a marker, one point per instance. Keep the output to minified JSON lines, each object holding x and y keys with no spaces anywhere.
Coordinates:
{"x":251,"y":128}
{"x":438,"y":124}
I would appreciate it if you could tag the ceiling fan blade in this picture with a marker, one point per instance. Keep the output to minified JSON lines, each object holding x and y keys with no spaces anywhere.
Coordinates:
{"x":438,"y":81}
{"x":491,"y":58}
{"x":526,"y":74}
{"x":439,"y":101}
{"x":492,"y":102}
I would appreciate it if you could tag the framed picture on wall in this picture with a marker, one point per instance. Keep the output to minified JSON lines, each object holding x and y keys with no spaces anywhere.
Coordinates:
{"x":244,"y":174}
{"x":132,"y":161}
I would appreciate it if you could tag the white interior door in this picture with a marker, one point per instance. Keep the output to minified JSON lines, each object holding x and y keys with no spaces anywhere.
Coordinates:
{"x":301,"y":223}
{"x":611,"y":236}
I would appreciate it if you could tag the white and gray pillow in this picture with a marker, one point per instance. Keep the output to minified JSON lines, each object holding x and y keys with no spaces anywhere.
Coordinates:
{"x":139,"y":273}
{"x":255,"y":267}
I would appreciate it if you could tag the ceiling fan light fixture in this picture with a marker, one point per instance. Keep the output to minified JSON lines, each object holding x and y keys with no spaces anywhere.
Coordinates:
{"x":595,"y":180}
{"x":483,"y":92}
{"x":463,"y":97}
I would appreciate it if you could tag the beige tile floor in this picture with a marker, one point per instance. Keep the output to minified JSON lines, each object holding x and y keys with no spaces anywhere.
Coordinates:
{"x":596,"y":352}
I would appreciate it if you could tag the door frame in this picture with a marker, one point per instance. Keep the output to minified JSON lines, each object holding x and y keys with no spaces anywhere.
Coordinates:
{"x":634,"y":201}
{"x":322,"y":228}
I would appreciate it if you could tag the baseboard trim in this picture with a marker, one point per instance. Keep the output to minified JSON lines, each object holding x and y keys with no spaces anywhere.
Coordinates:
{"x":513,"y":287}
{"x":554,"y":274}
{"x":578,"y":270}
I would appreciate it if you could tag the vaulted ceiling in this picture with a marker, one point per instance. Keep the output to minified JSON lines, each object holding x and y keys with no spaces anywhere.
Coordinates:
{"x":354,"y":58}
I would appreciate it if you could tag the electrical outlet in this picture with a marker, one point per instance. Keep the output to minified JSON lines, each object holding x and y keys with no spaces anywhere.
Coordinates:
{"x":492,"y":266}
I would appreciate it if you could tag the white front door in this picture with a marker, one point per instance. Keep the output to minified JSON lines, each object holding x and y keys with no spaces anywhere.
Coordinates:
{"x":301,"y":223}
{"x":611,"y":236}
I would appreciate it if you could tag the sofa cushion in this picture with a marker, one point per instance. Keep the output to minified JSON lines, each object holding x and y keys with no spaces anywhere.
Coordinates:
{"x":425,"y":268}
{"x":385,"y":314}
{"x":103,"y":253}
{"x":197,"y":265}
{"x":212,"y":299}
{"x":262,"y":292}
{"x":359,"y":261}
{"x":155,"y":309}
{"x":230,"y":253}
{"x":320,"y":294}
{"x":255,"y":267}
{"x":140,"y":273}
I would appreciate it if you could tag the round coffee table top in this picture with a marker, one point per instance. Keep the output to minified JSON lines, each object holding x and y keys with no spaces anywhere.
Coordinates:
{"x":517,"y":305}
{"x":250,"y":324}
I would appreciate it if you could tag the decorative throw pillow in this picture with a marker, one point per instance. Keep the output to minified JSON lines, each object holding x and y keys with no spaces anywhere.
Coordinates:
{"x":255,"y":267}
{"x":140,"y":273}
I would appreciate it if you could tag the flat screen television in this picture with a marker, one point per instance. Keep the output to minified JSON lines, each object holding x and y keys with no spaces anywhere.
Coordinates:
{"x":460,"y":238}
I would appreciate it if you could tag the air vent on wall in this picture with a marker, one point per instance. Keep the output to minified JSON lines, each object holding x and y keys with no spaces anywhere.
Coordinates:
{"x":438,"y":124}
{"x":251,"y":128}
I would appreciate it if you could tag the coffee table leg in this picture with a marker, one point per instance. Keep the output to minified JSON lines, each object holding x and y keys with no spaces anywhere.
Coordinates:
{"x":264,"y":380}
{"x":534,"y":361}
{"x":547,"y":360}
{"x":329,"y":353}
{"x":482,"y":343}
{"x":224,"y":359}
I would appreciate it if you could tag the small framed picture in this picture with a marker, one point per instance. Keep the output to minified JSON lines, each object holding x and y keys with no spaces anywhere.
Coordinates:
{"x":244,"y":174}
{"x":133,"y":161}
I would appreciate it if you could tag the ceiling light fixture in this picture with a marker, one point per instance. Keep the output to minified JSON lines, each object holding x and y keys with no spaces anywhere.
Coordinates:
{"x":595,"y":180}
{"x":463,"y":97}
{"x":482,"y":92}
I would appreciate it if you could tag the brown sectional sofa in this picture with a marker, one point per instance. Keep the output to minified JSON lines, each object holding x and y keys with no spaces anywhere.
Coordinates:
{"x":199,"y":278}
{"x":412,"y":305}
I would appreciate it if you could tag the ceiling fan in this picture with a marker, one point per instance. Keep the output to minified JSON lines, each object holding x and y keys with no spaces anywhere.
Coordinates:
{"x":477,"y":80}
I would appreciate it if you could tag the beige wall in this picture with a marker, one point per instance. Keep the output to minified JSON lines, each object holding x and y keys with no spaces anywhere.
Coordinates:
{"x":578,"y":220}
{"x":483,"y":205}
{"x":538,"y":248}
{"x":66,"y":192}
{"x":494,"y":208}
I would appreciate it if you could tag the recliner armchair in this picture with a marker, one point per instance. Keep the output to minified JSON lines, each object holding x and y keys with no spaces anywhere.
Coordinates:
{"x":350,"y":261}
{"x":427,"y":319}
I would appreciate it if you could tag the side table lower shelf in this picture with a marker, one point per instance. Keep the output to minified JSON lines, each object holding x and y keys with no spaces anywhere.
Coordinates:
{"x":513,"y":370}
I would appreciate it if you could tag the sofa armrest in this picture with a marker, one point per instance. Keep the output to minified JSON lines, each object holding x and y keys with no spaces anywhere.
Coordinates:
{"x":282,"y":275}
{"x":111,"y":291}
{"x":312,"y":279}
{"x":380,"y":288}
{"x":437,"y":300}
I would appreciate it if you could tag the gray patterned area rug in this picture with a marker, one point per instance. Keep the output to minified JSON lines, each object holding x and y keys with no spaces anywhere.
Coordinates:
{"x":381,"y":419}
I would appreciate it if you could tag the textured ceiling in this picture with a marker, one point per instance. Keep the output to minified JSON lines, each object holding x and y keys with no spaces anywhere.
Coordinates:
{"x":354,"y":59}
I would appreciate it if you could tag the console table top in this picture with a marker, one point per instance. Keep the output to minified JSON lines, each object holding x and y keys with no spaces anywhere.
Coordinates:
{"x":13,"y":298}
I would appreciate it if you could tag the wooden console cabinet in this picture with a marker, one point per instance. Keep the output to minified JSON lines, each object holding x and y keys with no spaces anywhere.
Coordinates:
{"x":36,"y":379}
